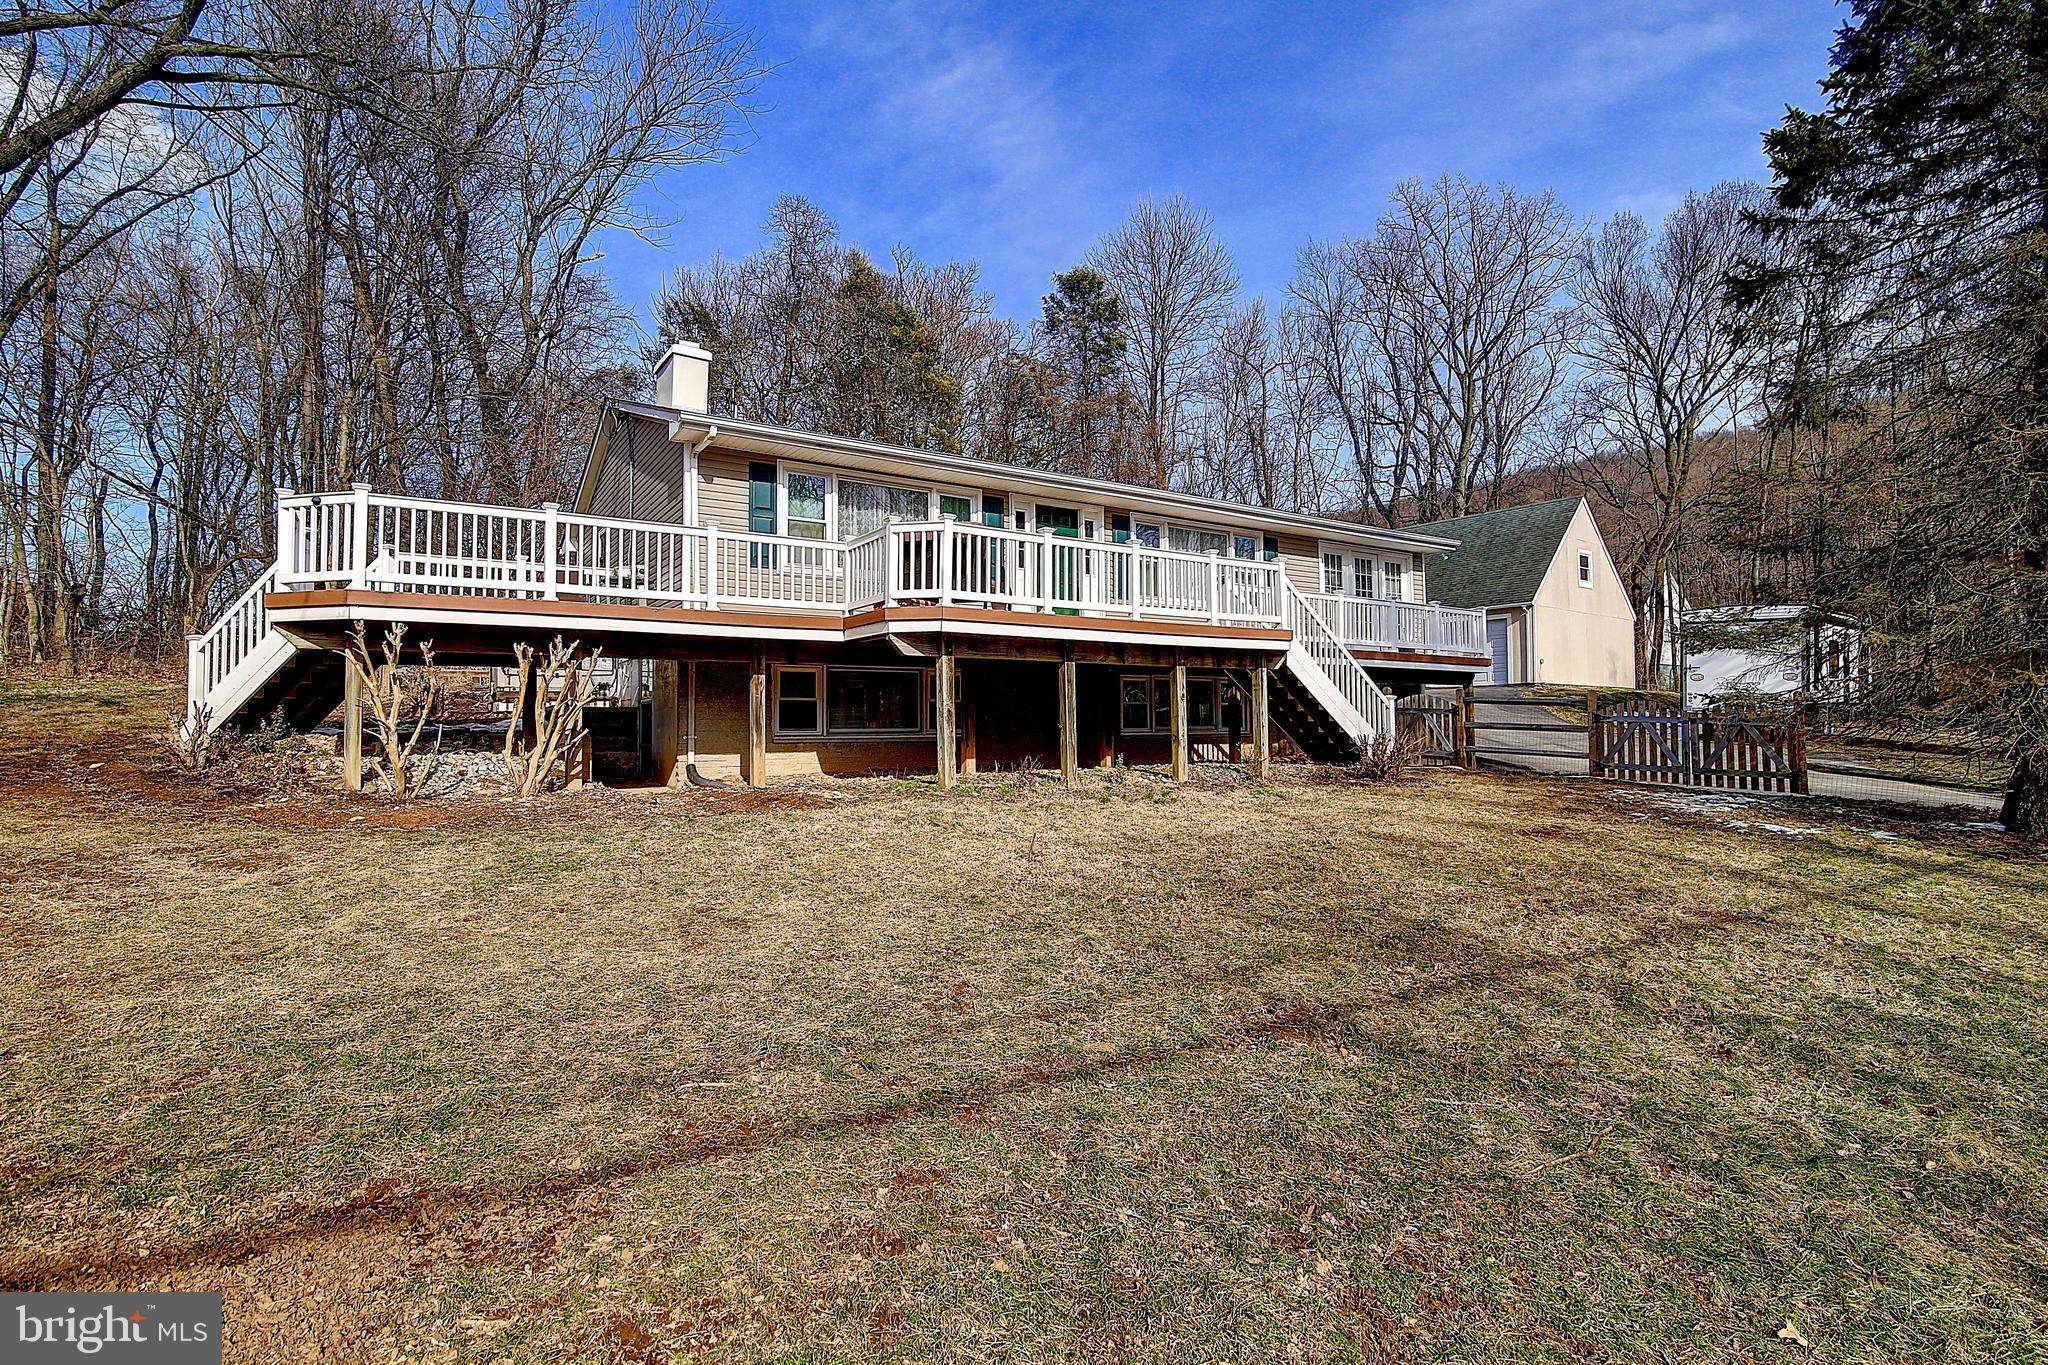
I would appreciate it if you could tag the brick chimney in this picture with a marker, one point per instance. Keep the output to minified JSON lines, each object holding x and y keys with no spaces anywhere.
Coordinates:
{"x":682,"y":378}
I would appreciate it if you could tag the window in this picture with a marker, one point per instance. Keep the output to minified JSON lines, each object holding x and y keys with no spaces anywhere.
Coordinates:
{"x":1147,"y":705}
{"x":865,"y":507}
{"x":993,"y":509}
{"x":796,"y":701}
{"x":1361,"y":576}
{"x":1194,"y":540}
{"x":806,"y":505}
{"x":1333,"y":572}
{"x":1244,"y":547}
{"x":852,"y":702}
{"x":1137,"y":705}
{"x":1585,"y":568}
{"x":1146,"y":533}
{"x":871,"y":700}
{"x":955,"y":506}
{"x":1396,"y":578}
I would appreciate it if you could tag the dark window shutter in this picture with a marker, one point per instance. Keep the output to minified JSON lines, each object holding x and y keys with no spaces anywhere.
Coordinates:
{"x":761,"y":498}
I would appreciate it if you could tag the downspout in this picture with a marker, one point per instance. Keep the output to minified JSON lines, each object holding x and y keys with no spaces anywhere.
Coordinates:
{"x":694,"y":449}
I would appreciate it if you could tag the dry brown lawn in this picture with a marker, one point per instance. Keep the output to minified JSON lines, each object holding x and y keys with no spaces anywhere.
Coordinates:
{"x":1456,"y":1067}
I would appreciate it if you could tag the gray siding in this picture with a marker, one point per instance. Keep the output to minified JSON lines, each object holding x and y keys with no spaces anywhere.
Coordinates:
{"x":640,"y":474}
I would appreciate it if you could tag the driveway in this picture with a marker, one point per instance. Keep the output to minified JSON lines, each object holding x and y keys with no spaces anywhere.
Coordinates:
{"x":1564,"y":752}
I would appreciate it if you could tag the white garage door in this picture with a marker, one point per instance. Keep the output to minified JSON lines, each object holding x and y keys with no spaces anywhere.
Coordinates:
{"x":1497,"y":641}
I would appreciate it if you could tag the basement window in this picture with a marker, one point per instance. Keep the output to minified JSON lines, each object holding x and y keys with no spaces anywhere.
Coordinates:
{"x":851,"y":703}
{"x":1147,"y":705}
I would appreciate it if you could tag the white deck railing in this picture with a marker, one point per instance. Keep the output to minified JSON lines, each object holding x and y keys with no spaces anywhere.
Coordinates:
{"x":362,"y":539}
{"x":1367,"y":623}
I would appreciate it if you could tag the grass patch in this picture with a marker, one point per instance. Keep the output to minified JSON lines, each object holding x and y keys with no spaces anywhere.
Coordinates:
{"x":1460,"y":1067}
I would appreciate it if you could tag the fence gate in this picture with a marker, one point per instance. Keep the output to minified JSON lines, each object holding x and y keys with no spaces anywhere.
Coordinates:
{"x":1430,"y":727}
{"x":1637,"y":742}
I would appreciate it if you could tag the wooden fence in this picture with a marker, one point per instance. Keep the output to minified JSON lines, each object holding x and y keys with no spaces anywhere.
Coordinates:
{"x":1643,"y":742}
{"x":1630,"y":741}
{"x":1430,"y":728}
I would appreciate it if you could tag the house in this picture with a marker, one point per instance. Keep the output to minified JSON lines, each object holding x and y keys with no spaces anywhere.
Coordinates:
{"x":807,"y":604}
{"x":1790,"y":650}
{"x":1556,"y":608}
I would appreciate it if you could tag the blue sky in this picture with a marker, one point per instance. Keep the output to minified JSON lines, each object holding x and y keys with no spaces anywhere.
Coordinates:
{"x":1016,"y":135}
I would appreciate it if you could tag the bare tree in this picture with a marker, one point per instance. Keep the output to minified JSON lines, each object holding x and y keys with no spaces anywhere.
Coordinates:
{"x":560,"y":685}
{"x":402,"y":702}
{"x":1665,"y":354}
{"x":1175,"y":281}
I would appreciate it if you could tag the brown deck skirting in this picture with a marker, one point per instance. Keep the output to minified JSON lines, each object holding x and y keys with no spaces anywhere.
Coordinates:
{"x":924,"y":617}
{"x":967,"y":618}
{"x":1417,"y":656}
{"x":538,"y":606}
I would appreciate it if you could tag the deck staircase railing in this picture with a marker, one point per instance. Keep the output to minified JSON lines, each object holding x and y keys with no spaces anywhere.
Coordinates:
{"x":217,"y":661}
{"x":1327,"y":668}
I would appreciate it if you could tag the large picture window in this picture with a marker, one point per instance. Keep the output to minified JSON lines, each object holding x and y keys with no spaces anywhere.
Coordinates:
{"x":1194,"y":540}
{"x":849,"y":703}
{"x":866,"y":701}
{"x":1147,"y":705}
{"x":865,"y":507}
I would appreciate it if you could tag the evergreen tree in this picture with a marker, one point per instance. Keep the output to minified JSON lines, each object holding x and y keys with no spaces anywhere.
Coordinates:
{"x":1921,"y":194}
{"x":885,"y":376}
{"x":1084,"y":338}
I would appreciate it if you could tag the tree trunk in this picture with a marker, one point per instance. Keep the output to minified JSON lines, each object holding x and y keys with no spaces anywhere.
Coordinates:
{"x":2025,"y":809}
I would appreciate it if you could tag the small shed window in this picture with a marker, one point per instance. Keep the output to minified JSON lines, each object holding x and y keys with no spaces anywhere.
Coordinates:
{"x":1585,"y":568}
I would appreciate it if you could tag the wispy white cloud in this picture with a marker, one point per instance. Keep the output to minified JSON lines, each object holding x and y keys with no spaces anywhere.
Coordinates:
{"x":967,"y":128}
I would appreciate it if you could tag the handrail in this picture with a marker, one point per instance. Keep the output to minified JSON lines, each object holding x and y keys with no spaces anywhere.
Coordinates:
{"x":1377,"y":621}
{"x":1318,"y":652}
{"x":211,"y":657}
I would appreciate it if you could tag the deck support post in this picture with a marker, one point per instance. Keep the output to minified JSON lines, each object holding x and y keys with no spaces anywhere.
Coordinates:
{"x":1070,"y":719}
{"x":351,"y":725}
{"x":968,"y":761}
{"x":945,"y":702}
{"x":1262,"y":723}
{"x":1180,"y":721}
{"x":756,"y":773}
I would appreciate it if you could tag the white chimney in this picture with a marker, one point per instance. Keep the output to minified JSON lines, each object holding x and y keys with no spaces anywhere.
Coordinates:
{"x":682,"y":378}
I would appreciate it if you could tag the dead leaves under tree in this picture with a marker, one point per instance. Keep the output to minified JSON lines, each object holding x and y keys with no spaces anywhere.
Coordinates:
{"x":400,"y":701}
{"x":560,"y":686}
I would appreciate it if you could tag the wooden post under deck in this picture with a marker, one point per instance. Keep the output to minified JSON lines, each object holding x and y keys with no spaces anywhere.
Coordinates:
{"x":351,"y":727}
{"x":1262,"y":723}
{"x":1180,"y":722}
{"x":756,"y":766}
{"x":1070,"y":721}
{"x":964,"y":700}
{"x":945,"y":703}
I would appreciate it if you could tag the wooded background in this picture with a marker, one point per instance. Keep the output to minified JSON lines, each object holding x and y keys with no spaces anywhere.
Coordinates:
{"x":301,"y":243}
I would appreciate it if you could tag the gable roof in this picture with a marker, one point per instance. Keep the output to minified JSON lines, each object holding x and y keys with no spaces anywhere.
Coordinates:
{"x":1502,"y":555}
